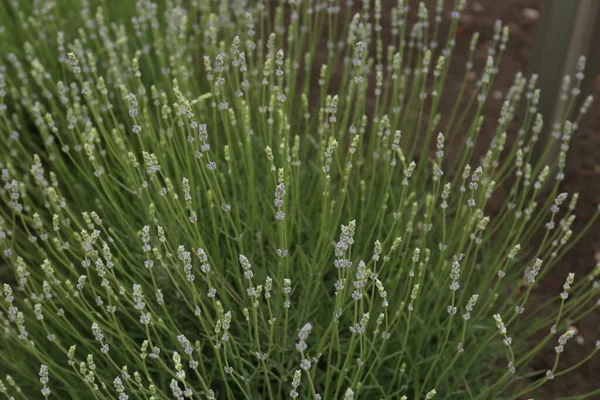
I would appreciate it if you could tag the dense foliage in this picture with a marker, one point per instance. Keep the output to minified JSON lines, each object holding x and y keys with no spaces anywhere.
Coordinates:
{"x":211,"y":199}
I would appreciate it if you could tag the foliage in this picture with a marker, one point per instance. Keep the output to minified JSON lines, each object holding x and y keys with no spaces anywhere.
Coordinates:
{"x":208,"y":199}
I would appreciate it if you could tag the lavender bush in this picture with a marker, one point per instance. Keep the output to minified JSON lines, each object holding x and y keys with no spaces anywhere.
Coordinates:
{"x":188,"y":211}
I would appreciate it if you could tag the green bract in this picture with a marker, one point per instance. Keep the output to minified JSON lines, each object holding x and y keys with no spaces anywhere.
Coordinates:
{"x":208,"y":199}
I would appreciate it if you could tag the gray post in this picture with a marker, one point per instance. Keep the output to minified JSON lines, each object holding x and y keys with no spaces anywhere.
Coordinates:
{"x":568,"y":29}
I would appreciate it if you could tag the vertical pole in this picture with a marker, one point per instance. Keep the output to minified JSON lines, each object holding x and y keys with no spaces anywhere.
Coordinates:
{"x":568,"y":29}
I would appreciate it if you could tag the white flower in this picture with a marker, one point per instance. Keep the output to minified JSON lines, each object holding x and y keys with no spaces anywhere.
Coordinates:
{"x":305,"y":364}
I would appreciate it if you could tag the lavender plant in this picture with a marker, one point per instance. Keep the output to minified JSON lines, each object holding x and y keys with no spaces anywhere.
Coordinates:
{"x":207,"y":199}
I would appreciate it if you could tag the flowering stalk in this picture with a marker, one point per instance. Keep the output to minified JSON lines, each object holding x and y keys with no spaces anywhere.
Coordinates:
{"x":185,"y":184}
